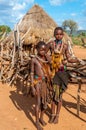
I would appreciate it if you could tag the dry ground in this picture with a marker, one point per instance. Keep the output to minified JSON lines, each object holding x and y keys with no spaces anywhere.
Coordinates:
{"x":17,"y":111}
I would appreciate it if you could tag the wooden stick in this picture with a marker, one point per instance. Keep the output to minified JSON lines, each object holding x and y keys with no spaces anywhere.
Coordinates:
{"x":78,"y":96}
{"x":26,"y":33}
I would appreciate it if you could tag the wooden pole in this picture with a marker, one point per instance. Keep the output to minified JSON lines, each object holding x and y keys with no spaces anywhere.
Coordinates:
{"x":78,"y":96}
{"x":14,"y":46}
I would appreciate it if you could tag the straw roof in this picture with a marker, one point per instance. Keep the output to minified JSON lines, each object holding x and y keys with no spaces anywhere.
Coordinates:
{"x":39,"y":24}
{"x":36,"y":25}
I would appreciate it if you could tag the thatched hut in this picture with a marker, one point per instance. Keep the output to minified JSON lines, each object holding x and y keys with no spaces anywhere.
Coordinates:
{"x":36,"y":25}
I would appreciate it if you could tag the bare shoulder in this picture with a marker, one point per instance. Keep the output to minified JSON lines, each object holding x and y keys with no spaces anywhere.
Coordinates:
{"x":65,"y":45}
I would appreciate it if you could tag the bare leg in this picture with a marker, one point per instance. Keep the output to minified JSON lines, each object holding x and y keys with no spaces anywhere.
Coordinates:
{"x":38,"y":109}
{"x":41,"y":116}
{"x":58,"y":111}
{"x":53,"y":112}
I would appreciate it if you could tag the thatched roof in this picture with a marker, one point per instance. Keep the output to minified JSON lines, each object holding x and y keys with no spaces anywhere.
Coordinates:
{"x":36,"y":25}
{"x":36,"y":17}
{"x":40,"y":25}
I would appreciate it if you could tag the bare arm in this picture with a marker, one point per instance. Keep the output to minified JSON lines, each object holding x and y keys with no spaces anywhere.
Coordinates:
{"x":49,"y":46}
{"x":32,"y":72}
{"x":70,"y":58}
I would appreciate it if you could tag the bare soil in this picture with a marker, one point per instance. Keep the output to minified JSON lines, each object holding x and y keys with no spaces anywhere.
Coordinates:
{"x":17,"y":111}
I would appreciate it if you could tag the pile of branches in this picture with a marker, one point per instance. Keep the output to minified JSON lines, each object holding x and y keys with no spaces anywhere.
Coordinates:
{"x":14,"y":61}
{"x":78,"y":72}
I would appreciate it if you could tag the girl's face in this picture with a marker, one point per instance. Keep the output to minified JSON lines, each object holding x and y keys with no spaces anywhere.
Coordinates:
{"x":59,"y":35}
{"x":42,"y":50}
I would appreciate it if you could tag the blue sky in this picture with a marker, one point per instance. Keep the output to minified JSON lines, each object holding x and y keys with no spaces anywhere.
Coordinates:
{"x":11,"y":11}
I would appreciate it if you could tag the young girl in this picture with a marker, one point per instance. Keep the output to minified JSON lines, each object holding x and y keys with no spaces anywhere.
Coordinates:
{"x":40,"y":71}
{"x":60,"y":58}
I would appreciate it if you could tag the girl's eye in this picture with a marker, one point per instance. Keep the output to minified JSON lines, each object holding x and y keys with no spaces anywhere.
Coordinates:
{"x":59,"y":34}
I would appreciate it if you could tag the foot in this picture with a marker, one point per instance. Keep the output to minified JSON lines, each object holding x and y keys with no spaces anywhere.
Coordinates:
{"x":38,"y":126}
{"x":56,"y":119}
{"x":51,"y":119}
{"x":42,"y":122}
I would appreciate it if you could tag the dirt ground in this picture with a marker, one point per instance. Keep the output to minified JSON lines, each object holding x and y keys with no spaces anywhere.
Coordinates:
{"x":17,"y":111}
